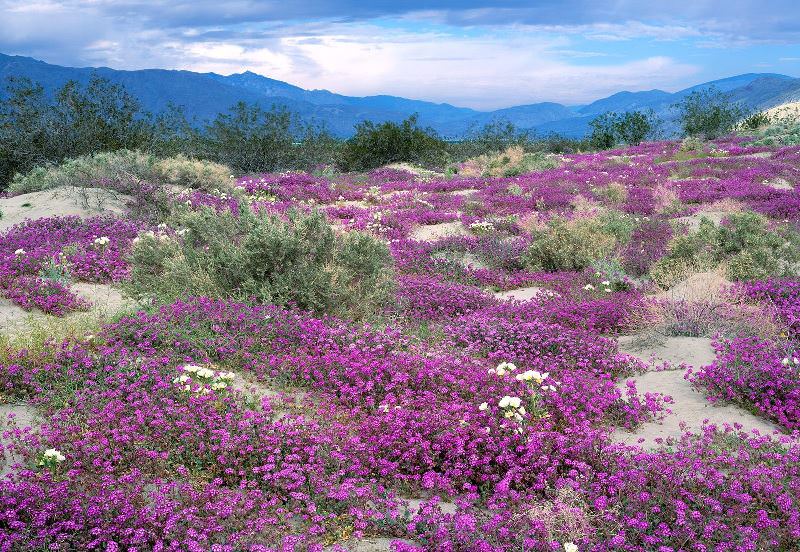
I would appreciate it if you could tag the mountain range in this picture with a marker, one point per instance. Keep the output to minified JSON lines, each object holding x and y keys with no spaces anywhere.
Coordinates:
{"x":204,"y":95}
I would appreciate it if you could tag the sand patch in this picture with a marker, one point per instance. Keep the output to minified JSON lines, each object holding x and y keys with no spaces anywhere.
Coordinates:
{"x":23,"y":416}
{"x":779,"y":184}
{"x":62,"y":201}
{"x":690,"y":408}
{"x":694,"y":351}
{"x":12,"y":317}
{"x":433,"y":232}
{"x":693,"y":221}
{"x":467,"y":192}
{"x":790,"y":111}
{"x":520,"y":294}
{"x":103,"y":297}
{"x":370,"y":544}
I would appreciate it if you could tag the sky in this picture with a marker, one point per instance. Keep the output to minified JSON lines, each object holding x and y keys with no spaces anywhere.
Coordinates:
{"x":484,"y":55}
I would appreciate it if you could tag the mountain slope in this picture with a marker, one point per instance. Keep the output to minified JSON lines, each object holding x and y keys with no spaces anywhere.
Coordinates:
{"x":204,"y":95}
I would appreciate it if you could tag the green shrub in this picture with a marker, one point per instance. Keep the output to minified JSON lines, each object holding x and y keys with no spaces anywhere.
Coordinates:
{"x":631,"y":128}
{"x":618,"y":224}
{"x":262,"y":258}
{"x":124,"y":166}
{"x":375,"y":145}
{"x":569,"y":245}
{"x":749,"y":248}
{"x":708,"y":114}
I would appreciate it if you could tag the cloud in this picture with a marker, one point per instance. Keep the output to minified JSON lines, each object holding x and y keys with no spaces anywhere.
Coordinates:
{"x":472,"y":53}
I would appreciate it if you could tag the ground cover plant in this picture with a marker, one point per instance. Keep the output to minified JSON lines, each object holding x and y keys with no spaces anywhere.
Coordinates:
{"x":426,"y":360}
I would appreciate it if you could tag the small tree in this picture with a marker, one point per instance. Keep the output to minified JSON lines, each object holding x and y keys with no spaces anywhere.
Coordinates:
{"x":248,"y":138}
{"x":631,"y":128}
{"x":374,"y":145}
{"x":708,"y":113}
{"x":603,"y":135}
{"x":634,"y":127}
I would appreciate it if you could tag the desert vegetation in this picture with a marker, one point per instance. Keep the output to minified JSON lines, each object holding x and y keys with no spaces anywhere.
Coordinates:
{"x":500,"y":344}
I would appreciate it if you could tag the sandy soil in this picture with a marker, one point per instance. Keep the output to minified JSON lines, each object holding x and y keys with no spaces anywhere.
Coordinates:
{"x":370,"y":544}
{"x":433,"y":232}
{"x":62,"y":201}
{"x":785,"y":111}
{"x":693,"y":221}
{"x":779,"y":184}
{"x":104,"y":298}
{"x":690,"y":408}
{"x":24,"y":416}
{"x":11,"y":316}
{"x":520,"y":294}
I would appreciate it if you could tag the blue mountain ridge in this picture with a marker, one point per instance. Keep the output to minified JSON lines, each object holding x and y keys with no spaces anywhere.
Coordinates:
{"x":204,"y":95}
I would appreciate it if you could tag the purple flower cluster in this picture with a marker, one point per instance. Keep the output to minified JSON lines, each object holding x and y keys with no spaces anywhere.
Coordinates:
{"x":757,"y":374}
{"x":90,"y":250}
{"x":213,"y":425}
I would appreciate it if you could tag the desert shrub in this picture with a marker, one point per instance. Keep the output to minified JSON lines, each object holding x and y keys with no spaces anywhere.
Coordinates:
{"x":724,"y":314}
{"x":707,"y":113}
{"x":779,"y":134}
{"x":615,"y":193}
{"x":515,"y":161}
{"x":618,"y":224}
{"x":755,"y":121}
{"x":374,"y":145}
{"x":251,"y":139}
{"x":123,"y":166}
{"x":263,"y":259}
{"x":744,"y":242}
{"x":631,"y":127}
{"x":569,"y":245}
{"x":77,"y":120}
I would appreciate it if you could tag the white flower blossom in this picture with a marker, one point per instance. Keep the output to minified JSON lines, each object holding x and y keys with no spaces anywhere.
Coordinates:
{"x":483,"y":406}
{"x":54,"y":454}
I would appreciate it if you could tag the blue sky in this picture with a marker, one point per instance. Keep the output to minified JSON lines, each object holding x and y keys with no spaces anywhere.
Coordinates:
{"x":483,"y":55}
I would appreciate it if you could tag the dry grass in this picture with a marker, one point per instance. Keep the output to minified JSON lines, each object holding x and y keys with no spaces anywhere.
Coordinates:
{"x":702,"y":305}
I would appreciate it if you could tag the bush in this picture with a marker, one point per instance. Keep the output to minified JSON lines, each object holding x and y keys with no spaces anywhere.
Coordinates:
{"x":264,"y":259}
{"x":569,"y":245}
{"x":708,"y":114}
{"x":744,"y":242}
{"x":631,"y":127}
{"x":124,"y":166}
{"x":251,"y":139}
{"x":375,"y":145}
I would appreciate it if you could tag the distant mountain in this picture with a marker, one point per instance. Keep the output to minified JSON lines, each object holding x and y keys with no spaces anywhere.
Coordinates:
{"x":204,"y":95}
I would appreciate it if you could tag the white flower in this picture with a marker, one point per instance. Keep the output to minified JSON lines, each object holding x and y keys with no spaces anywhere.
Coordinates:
{"x":217,"y":385}
{"x":570,"y":547}
{"x":19,"y":252}
{"x":183,"y":378}
{"x":588,"y":287}
{"x":504,"y":367}
{"x":483,"y":406}
{"x":102,"y":240}
{"x":608,"y":290}
{"x":53,"y":454}
{"x":785,"y":362}
{"x":205,"y":373}
{"x":191,"y":368}
{"x":513,"y":402}
{"x":605,"y":283}
{"x":226,"y":376}
{"x":796,"y":360}
{"x":182,"y":232}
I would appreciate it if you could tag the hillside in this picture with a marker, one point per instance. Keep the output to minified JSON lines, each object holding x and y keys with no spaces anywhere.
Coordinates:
{"x":203,"y":95}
